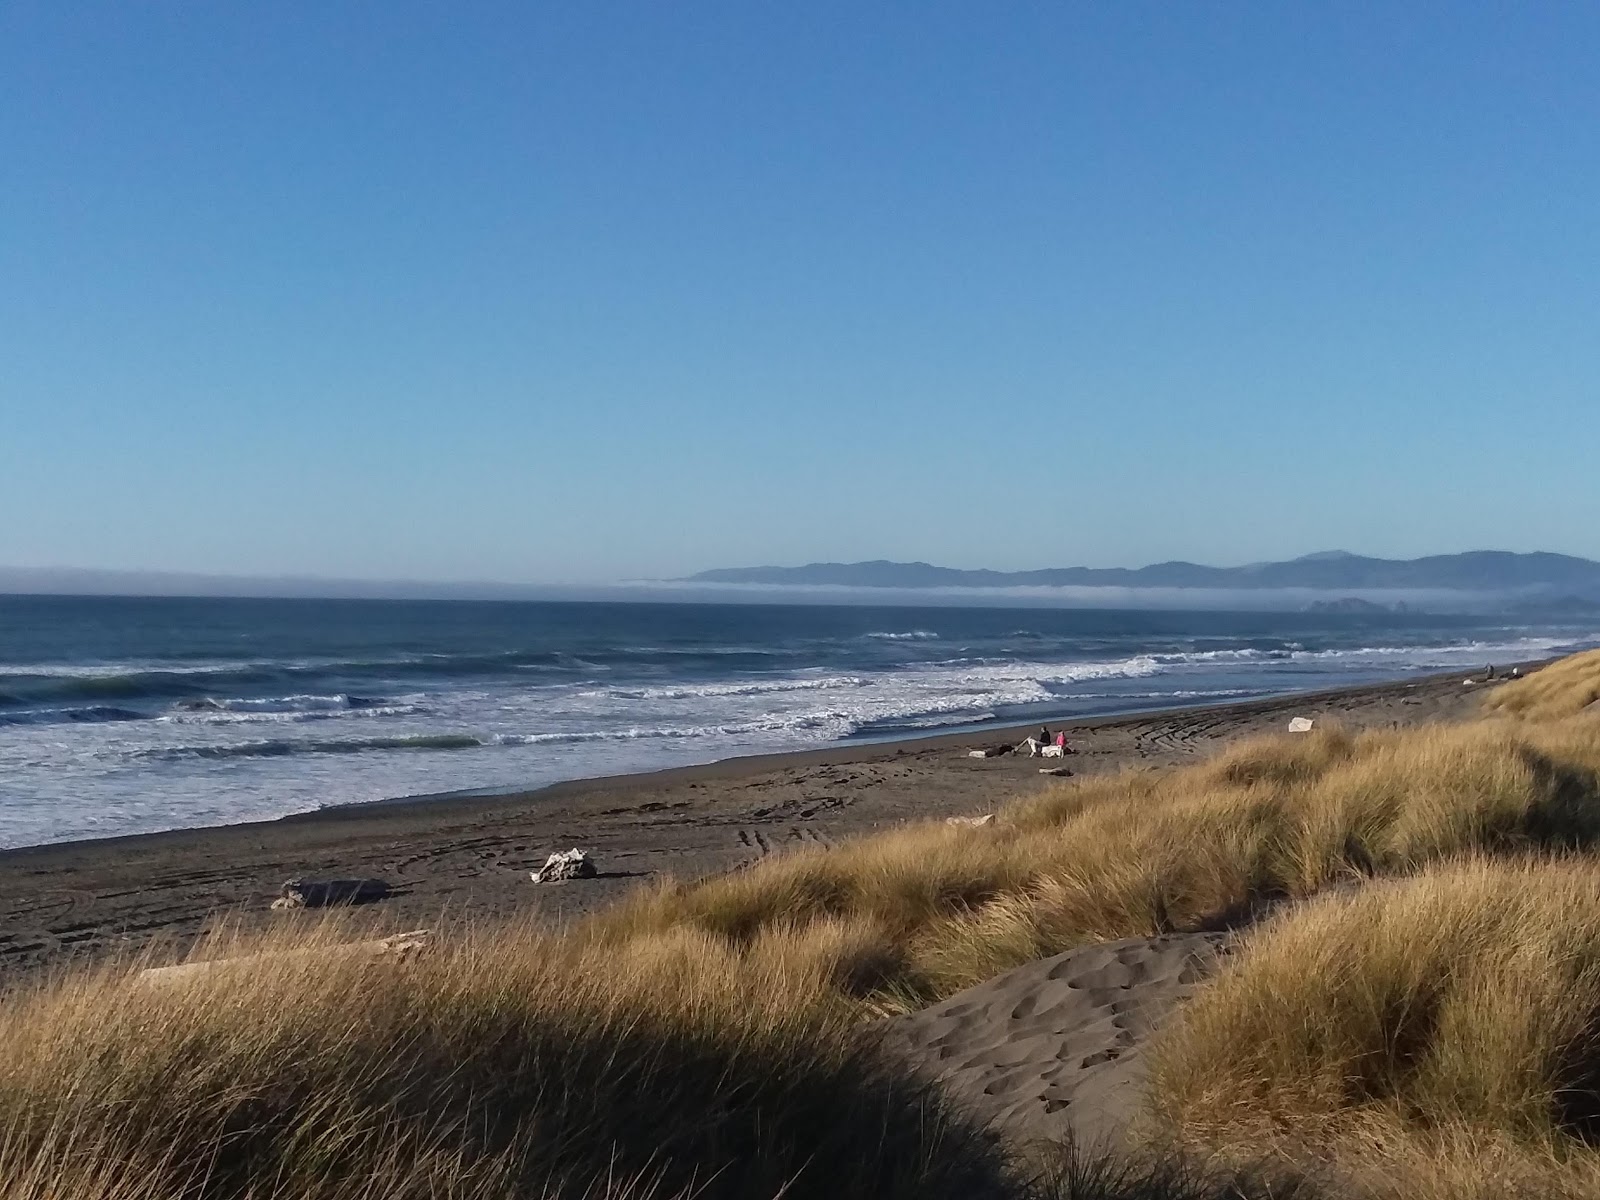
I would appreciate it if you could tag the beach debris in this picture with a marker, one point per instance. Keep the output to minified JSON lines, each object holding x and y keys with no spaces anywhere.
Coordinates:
{"x":1059,"y":772}
{"x":991,"y":751}
{"x":397,"y":947}
{"x":975,"y":822}
{"x":322,"y":893}
{"x":564,"y":865}
{"x":1300,"y":724}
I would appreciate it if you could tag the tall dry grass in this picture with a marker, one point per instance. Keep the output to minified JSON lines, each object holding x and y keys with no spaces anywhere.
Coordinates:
{"x":1562,"y":689}
{"x":936,"y":909}
{"x":517,"y":1065}
{"x":1440,"y":1034}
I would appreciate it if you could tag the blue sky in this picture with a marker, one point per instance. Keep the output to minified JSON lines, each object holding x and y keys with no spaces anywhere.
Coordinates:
{"x":598,"y":291}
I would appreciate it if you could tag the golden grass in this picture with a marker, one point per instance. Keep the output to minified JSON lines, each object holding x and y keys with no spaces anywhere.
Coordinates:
{"x":1561,"y":689}
{"x":1436,"y":1034}
{"x":937,"y":909}
{"x":511,"y":1066}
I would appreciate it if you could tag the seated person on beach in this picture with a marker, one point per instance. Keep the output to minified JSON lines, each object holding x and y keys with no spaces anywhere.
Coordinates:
{"x":1042,"y":741}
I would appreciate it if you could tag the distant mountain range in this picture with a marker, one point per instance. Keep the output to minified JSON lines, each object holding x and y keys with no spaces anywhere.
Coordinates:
{"x":1546,"y":586}
{"x":1336,"y":570}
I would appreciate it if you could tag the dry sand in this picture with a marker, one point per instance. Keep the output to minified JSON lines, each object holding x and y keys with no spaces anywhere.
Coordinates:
{"x":1054,"y":1050}
{"x":469,"y":857}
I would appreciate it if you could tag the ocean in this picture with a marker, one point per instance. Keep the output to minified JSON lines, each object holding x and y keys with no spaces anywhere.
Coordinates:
{"x":127,"y":715}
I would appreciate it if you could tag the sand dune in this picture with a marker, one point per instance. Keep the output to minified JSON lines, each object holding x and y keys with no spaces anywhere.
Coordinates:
{"x":1055,"y":1048}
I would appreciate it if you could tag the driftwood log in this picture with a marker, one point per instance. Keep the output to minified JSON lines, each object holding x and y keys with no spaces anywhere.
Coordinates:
{"x":323,"y":893}
{"x":396,"y":947}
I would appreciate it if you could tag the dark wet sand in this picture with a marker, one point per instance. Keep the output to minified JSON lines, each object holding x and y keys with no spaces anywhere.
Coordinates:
{"x":469,"y":857}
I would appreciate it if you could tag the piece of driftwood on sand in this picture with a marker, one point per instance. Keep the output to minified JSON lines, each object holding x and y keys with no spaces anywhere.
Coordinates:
{"x":324,"y":893}
{"x":396,"y":947}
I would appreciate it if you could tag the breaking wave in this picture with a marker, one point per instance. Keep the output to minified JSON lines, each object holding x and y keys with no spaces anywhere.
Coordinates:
{"x":751,"y":688}
{"x":90,"y":715}
{"x":280,"y":748}
{"x":164,"y":725}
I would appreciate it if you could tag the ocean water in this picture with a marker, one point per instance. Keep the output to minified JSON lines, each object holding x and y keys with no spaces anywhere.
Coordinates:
{"x":123,"y":715}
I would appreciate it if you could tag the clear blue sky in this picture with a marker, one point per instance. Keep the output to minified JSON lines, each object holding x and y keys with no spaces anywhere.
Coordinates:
{"x":540,"y":292}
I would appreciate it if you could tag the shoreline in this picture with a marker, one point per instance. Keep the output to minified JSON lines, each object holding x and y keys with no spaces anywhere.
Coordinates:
{"x":715,"y":768}
{"x":469,"y":855}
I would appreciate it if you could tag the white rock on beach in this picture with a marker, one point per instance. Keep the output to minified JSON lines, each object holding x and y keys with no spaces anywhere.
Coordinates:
{"x":563,"y":865}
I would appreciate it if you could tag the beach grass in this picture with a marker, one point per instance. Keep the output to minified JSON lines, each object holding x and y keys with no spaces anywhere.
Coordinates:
{"x":1562,"y":689}
{"x":513,"y":1064}
{"x":1441,"y":1032}
{"x":1422,"y":980}
{"x":936,"y":908}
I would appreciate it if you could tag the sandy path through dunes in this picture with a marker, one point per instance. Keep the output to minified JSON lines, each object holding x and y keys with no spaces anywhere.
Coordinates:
{"x":1055,"y":1049}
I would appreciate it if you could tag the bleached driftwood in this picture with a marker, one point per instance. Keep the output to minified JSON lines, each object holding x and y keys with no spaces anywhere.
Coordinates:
{"x":397,"y":946}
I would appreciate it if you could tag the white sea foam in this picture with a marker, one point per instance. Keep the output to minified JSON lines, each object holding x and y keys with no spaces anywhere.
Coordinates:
{"x":241,"y":756}
{"x":119,"y":670}
{"x":296,"y":708}
{"x":287,"y":716}
{"x":757,"y":687}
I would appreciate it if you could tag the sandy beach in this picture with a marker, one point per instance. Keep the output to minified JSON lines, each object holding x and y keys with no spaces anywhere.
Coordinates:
{"x":469,"y":857}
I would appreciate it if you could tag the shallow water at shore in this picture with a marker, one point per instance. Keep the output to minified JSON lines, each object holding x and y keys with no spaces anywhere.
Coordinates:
{"x":132,"y":715}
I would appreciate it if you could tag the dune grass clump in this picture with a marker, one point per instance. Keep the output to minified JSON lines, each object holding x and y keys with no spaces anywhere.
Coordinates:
{"x":509,"y":1066}
{"x":1439,"y":1035}
{"x":936,"y":909}
{"x":1562,"y":689}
